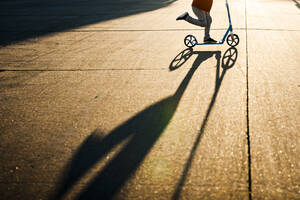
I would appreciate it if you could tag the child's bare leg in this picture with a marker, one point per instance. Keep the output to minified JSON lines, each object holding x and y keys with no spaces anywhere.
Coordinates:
{"x":207,"y":27}
{"x":204,"y":20}
{"x":201,"y":15}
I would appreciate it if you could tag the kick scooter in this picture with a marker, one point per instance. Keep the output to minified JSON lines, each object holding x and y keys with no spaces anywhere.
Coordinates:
{"x":232,"y":39}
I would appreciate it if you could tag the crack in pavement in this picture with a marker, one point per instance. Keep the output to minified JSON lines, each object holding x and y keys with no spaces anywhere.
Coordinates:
{"x":247,"y":109}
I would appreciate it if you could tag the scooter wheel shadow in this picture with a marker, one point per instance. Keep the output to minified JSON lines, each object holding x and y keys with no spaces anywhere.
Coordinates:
{"x":181,"y":58}
{"x":229,"y":58}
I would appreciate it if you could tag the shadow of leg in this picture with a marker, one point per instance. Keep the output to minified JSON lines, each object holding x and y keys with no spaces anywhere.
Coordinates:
{"x":228,"y":61}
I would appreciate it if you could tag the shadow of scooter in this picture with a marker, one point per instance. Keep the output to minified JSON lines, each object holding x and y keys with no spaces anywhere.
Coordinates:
{"x":228,"y":60}
{"x":141,"y":132}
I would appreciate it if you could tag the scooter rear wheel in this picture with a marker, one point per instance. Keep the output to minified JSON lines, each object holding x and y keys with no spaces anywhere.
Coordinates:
{"x":190,"y":41}
{"x":233,"y":40}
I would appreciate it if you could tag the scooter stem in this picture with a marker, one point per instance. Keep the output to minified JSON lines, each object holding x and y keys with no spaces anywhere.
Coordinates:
{"x":227,"y":6}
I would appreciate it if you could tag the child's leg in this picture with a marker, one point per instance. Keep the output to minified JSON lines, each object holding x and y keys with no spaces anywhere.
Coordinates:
{"x":201,"y":15}
{"x":204,"y":20}
{"x":207,"y":28}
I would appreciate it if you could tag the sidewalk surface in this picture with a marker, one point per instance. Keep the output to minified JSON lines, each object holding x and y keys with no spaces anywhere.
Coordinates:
{"x":102,"y":100}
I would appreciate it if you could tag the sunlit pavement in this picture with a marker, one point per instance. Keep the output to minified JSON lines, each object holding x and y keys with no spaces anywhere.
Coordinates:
{"x":104,"y":101}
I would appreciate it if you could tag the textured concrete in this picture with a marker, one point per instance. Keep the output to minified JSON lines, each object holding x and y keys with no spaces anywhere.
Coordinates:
{"x":114,"y":106}
{"x":274,"y":98}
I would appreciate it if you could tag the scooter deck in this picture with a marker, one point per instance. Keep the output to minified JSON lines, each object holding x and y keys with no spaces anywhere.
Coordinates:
{"x":212,"y":43}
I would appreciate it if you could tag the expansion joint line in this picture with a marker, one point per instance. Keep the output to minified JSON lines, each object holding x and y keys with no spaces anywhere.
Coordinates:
{"x":247,"y":109}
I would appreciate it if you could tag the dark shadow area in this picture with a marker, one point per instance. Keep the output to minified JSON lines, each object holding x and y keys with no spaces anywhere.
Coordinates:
{"x":16,"y":79}
{"x":141,"y":131}
{"x":24,"y":19}
{"x":297,"y":3}
{"x":228,"y":60}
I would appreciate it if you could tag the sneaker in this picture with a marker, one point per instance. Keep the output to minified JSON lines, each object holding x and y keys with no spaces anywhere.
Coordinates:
{"x":183,"y":16}
{"x":210,"y":40}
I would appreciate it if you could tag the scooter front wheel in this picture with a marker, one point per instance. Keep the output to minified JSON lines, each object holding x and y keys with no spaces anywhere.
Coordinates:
{"x":233,"y":40}
{"x":190,"y":41}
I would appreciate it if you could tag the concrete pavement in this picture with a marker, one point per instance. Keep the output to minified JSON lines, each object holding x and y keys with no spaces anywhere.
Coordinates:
{"x":100,"y":104}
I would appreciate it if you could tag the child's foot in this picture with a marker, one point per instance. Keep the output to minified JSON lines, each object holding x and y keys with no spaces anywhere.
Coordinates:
{"x":210,"y":40}
{"x":183,"y":16}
